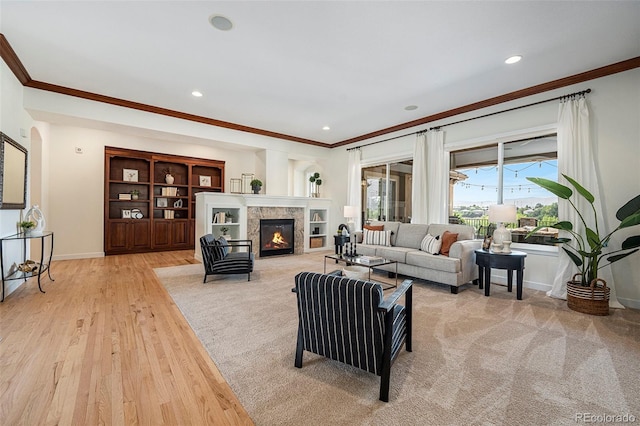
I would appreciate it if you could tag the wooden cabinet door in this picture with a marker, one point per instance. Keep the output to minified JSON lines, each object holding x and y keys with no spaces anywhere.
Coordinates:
{"x":116,"y":236}
{"x":139,"y":235}
{"x":180,"y":234}
{"x":161,"y":234}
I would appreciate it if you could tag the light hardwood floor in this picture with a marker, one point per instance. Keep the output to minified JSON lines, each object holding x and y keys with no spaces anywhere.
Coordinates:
{"x":107,"y":345}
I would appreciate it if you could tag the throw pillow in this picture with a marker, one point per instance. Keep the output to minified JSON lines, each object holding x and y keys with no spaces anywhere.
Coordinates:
{"x":431,"y":244}
{"x":448,"y":238}
{"x":378,"y":238}
{"x":223,"y":246}
{"x":374,"y":227}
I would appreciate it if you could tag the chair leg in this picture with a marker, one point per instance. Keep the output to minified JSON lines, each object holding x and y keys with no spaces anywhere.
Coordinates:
{"x":299,"y":350}
{"x":248,"y":276}
{"x":409,"y":317}
{"x":385,"y":375}
{"x":205,"y":279}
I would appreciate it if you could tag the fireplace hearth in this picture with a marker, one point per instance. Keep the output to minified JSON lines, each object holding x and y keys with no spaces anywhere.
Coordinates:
{"x":276,"y":237}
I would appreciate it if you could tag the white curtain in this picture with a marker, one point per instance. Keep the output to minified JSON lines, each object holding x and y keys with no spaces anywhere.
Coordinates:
{"x":419,"y":180}
{"x":354,"y":187}
{"x":575,"y":159}
{"x":437,"y":179}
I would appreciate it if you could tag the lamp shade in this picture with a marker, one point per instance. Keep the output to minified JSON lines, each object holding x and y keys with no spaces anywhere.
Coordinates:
{"x":502,"y":213}
{"x":350,"y":211}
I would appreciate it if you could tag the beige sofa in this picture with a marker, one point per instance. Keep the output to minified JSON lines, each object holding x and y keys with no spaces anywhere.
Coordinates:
{"x":455,"y":270}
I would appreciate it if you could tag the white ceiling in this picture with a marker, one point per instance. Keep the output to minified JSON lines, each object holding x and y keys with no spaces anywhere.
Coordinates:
{"x":293,"y":67}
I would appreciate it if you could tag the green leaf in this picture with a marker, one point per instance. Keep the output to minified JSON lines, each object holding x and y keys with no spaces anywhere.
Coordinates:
{"x":560,"y":240}
{"x":564,"y":226}
{"x":573,"y":257}
{"x":631,"y":242}
{"x":553,"y":187}
{"x":632,"y":206}
{"x":593,"y":238}
{"x":632,"y":220}
{"x":581,"y":190}
{"x":620,"y":256}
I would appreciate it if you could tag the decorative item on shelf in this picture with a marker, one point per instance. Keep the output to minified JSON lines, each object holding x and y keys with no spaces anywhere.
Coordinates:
{"x":224,"y":231}
{"x":586,"y":292}
{"x":177,"y":204}
{"x":162,"y":202}
{"x":256,"y":186}
{"x":34,"y":214}
{"x":229,"y":217}
{"x":486,"y":244}
{"x":236,"y":185}
{"x":136,"y":214}
{"x":126,"y":197}
{"x":168,"y":177}
{"x":501,"y":214}
{"x":316,"y":231}
{"x":315,"y":180}
{"x":205,"y":180}
{"x":246,"y":182}
{"x":126,"y":214}
{"x":129,"y":175}
{"x":28,"y":266}
{"x":27,"y":226}
{"x":317,"y":217}
{"x":219,"y":217}
{"x":135,"y":194}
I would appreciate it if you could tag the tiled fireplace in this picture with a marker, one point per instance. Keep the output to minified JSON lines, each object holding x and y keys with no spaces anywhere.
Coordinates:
{"x":275,"y":216}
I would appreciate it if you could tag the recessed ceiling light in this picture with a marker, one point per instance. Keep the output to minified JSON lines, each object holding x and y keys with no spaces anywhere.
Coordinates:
{"x":221,"y":23}
{"x":196,"y":94}
{"x":326,"y":128}
{"x":411,"y":107}
{"x":513,"y":59}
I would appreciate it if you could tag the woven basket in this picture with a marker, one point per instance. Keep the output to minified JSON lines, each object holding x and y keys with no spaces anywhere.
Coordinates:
{"x":592,"y":300}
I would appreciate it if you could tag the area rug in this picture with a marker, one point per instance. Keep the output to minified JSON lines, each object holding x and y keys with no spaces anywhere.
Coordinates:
{"x":476,"y":360}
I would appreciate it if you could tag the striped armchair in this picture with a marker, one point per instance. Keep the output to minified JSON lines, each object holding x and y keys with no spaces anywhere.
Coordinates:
{"x":218,"y":258}
{"x":348,"y":320}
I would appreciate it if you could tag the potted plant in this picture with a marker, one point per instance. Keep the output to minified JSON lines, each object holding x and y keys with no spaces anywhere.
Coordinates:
{"x":229,"y":217}
{"x":256,"y":185}
{"x":224,"y":231}
{"x":26,"y":226}
{"x":315,"y":183}
{"x":587,"y":249}
{"x":135,"y":194}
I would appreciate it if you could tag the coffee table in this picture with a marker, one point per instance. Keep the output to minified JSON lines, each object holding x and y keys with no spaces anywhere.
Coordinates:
{"x":357,"y":260}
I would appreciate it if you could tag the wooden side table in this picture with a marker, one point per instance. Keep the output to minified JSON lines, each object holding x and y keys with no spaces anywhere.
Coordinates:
{"x":513,"y":261}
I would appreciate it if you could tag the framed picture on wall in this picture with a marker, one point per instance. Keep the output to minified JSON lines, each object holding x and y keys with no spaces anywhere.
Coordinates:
{"x":162,"y":202}
{"x":126,"y":214}
{"x":129,"y":175}
{"x":205,"y":180}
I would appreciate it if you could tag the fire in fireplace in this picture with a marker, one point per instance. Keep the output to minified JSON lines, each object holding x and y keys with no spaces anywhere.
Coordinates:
{"x":276,"y":237}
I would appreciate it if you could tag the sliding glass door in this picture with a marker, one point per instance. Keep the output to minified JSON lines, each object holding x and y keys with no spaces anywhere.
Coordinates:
{"x":386,"y":192}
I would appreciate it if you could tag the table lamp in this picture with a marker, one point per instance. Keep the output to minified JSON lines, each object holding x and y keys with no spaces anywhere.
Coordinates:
{"x":350,"y":212}
{"x":501,"y":214}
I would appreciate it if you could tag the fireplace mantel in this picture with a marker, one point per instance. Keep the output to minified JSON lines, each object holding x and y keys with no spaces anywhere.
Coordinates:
{"x":207,"y":203}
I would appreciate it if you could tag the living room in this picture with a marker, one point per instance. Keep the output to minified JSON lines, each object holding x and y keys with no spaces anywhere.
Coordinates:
{"x":66,"y":137}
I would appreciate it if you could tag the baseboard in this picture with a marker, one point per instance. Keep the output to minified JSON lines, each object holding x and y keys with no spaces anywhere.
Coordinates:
{"x":78,"y":256}
{"x":629,"y":303}
{"x":525,"y":284}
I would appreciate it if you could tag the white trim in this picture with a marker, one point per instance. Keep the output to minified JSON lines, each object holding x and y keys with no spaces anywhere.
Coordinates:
{"x":537,"y":249}
{"x":78,"y":256}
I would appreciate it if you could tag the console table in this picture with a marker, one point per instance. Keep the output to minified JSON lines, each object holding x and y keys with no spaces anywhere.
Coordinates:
{"x":513,"y":261}
{"x":41,"y":267}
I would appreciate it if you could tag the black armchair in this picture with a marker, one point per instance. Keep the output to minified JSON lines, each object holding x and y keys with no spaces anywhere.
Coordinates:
{"x":349,"y":321}
{"x":218,"y":258}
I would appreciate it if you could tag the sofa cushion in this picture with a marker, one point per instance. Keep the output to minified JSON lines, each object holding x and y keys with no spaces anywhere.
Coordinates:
{"x":374,"y":228}
{"x":439,"y":263}
{"x":388,"y":226}
{"x":367,"y":249}
{"x":465,"y":232}
{"x":431,"y":244}
{"x":380,"y":238}
{"x":448,"y":238}
{"x":399,"y":254}
{"x":410,"y":235}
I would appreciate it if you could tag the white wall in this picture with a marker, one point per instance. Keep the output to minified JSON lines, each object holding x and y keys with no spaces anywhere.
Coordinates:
{"x":615,"y":113}
{"x":14,"y":122}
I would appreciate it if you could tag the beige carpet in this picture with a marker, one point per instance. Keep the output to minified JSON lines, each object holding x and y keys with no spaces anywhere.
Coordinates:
{"x":475,"y":360}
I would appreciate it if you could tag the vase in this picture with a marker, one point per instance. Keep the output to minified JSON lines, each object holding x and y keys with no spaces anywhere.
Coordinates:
{"x":256,"y":189}
{"x":169,"y":179}
{"x":134,"y":196}
{"x":592,"y":300}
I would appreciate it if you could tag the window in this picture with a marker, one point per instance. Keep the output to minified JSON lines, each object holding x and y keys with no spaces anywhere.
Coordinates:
{"x":386,"y":192}
{"x":496,"y":174}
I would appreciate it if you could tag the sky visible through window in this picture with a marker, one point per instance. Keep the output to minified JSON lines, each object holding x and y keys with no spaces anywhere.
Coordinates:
{"x":481,"y":186}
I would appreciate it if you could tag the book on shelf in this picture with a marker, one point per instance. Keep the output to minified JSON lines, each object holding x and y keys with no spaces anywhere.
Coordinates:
{"x":219,"y":217}
{"x":369,"y":260}
{"x":317,"y":217}
{"x":169,"y":214}
{"x":169,"y":191}
{"x":124,"y":196}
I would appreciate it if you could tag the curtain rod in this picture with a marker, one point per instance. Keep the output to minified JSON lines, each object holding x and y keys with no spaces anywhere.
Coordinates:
{"x":571,"y":95}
